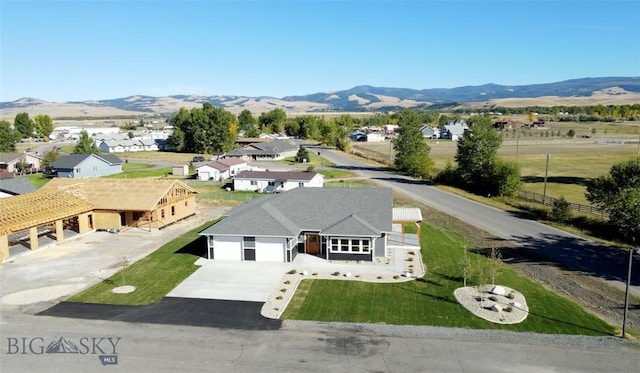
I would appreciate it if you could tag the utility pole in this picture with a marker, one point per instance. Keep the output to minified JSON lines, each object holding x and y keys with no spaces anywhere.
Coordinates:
{"x":626,"y":293}
{"x":544,"y":191}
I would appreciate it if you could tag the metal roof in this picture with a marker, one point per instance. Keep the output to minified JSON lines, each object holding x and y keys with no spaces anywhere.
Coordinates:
{"x":407,"y":214}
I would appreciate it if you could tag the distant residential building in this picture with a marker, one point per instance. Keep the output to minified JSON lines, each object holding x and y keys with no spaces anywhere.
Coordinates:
{"x":430,"y":132}
{"x":9,"y":162}
{"x":273,"y":181}
{"x":86,"y":165}
{"x":221,"y":169}
{"x":264,"y":151}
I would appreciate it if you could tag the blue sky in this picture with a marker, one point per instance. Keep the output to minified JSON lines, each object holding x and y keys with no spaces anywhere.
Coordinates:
{"x":82,"y":50}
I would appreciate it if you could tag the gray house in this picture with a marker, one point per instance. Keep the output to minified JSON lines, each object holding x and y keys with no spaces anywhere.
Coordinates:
{"x":264,"y":151}
{"x":86,"y":165}
{"x":430,"y":132}
{"x":332,"y":223}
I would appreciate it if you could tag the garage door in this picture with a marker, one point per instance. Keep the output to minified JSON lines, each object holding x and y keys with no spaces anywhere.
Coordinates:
{"x":227,"y":248}
{"x":270,"y":249}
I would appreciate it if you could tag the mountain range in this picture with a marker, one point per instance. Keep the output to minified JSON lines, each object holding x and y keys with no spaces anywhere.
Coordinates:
{"x":364,"y":98}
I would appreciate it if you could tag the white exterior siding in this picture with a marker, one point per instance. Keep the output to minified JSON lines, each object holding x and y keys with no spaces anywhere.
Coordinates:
{"x":270,"y":249}
{"x":227,"y":248}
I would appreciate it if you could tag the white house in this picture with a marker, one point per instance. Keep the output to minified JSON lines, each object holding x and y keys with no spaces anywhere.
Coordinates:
{"x":272,"y":181}
{"x":454,"y":129}
{"x":221,"y":169}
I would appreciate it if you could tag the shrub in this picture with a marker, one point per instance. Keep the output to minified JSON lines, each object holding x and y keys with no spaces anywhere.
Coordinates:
{"x":287,"y":282}
{"x":493,"y":298}
{"x":292,"y":272}
{"x":511,"y":295}
{"x":283,"y":290}
{"x":508,"y":309}
{"x":395,"y":277}
{"x":279,"y":297}
{"x":410,"y":259}
{"x":314,"y":274}
{"x":336,"y":273}
{"x":561,"y":211}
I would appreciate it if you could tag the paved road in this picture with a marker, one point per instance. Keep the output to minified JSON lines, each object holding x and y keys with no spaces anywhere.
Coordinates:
{"x":308,"y":347}
{"x":570,"y":251}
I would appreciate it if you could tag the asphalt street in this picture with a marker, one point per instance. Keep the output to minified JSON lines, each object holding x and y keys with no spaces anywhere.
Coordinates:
{"x":568,"y":250}
{"x":297,"y":346}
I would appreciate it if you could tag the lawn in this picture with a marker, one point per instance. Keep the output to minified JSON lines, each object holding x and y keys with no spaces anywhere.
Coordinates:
{"x":136,"y":173}
{"x":430,"y":300}
{"x":37,"y":180}
{"x":153,"y":276}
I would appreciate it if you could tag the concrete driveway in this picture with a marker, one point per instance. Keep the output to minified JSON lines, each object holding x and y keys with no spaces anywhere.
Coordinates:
{"x":230,"y":280}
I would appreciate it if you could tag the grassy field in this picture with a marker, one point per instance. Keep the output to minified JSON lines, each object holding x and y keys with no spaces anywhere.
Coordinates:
{"x":430,"y":300}
{"x":153,"y":276}
{"x":571,"y":164}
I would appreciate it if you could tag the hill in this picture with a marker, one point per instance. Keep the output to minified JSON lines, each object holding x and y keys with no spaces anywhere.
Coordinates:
{"x":364,"y":98}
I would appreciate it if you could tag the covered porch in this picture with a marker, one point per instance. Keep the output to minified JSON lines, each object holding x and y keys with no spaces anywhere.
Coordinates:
{"x":405,"y":219}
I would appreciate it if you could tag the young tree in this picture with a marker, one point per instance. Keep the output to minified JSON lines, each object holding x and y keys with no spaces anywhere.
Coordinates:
{"x":412,"y":152}
{"x":571,"y":133}
{"x":465,"y":267}
{"x":23,"y":124}
{"x":494,"y":264}
{"x":561,"y":211}
{"x":618,"y":193}
{"x":85,"y":145}
{"x":44,"y":125}
{"x":8,"y":137}
{"x":302,"y":155}
{"x":47,"y":160}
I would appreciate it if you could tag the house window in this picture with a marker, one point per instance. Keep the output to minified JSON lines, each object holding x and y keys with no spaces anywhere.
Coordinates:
{"x":347,"y":245}
{"x":253,"y":182}
{"x":77,"y":170}
{"x":272,"y":183}
{"x":186,"y":203}
{"x":249,"y":242}
{"x":300,"y":184}
{"x":162,"y":214}
{"x":173,"y":210}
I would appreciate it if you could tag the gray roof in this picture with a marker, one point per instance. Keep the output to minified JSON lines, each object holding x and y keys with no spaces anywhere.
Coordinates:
{"x":276,"y":175}
{"x":69,"y":161}
{"x":16,"y":185}
{"x":334,"y":211}
{"x":72,"y":160}
{"x":9,"y":157}
{"x":113,"y":159}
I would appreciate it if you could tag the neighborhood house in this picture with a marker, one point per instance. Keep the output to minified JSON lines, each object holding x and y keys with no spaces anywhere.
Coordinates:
{"x":264,"y":151}
{"x":333,"y":223}
{"x":270,"y":181}
{"x":221,"y":169}
{"x":86,"y":165}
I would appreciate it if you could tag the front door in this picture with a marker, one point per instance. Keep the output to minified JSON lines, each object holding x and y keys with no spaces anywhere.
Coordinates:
{"x":313,"y":244}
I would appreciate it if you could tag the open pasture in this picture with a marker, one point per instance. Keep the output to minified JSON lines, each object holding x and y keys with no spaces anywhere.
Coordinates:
{"x":572,"y":162}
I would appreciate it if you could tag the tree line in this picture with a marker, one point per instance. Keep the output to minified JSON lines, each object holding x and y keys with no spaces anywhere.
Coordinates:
{"x":588,"y":113}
